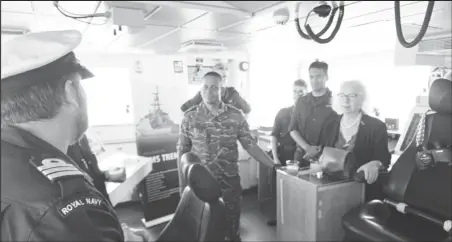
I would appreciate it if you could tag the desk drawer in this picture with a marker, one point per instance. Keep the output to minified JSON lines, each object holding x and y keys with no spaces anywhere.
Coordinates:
{"x":296,"y":210}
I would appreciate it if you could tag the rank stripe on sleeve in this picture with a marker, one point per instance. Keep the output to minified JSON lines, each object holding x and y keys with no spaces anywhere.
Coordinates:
{"x":49,"y":166}
{"x":55,"y":168}
{"x":59,"y":174}
{"x":58,"y":169}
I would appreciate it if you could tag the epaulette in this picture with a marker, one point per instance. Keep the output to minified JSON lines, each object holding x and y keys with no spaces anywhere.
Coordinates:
{"x":233,"y":108}
{"x":56,"y":168}
{"x":193,"y":108}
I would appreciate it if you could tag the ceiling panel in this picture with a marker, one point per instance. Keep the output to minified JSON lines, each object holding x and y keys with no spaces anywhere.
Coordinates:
{"x":167,"y":16}
{"x":19,"y":6}
{"x":173,"y":40}
{"x":18,"y":20}
{"x":120,"y":42}
{"x":46,"y":23}
{"x":73,"y":7}
{"x":303,"y":10}
{"x":132,"y":5}
{"x":213,"y":21}
{"x":440,"y":18}
{"x":47,"y":7}
{"x":251,"y":6}
{"x":237,"y":41}
{"x":252,"y":25}
{"x":411,"y":30}
{"x":150,"y":33}
{"x":162,"y":33}
{"x":363,"y":8}
{"x":99,"y":36}
{"x":353,"y":9}
{"x":365,"y":13}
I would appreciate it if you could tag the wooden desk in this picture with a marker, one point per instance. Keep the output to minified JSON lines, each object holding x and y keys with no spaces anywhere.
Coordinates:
{"x":137,"y":168}
{"x":311,"y":208}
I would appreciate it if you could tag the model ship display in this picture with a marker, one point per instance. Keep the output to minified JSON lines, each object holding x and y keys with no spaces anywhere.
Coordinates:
{"x":156,"y":121}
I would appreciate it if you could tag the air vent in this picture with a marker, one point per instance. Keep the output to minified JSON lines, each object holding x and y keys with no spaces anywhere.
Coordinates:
{"x":443,"y":44}
{"x":201,"y":45}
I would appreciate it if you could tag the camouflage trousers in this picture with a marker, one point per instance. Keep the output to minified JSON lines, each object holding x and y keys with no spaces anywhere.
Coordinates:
{"x":232,"y":197}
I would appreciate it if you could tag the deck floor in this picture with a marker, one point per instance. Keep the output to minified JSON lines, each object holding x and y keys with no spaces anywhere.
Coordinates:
{"x":253,"y":223}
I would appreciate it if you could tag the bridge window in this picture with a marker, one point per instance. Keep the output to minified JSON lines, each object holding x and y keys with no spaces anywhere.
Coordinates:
{"x":109,"y":97}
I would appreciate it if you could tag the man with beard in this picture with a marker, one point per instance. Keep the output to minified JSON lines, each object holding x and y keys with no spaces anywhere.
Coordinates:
{"x":81,"y":153}
{"x":211,"y":130}
{"x":45,"y":195}
{"x":310,"y":113}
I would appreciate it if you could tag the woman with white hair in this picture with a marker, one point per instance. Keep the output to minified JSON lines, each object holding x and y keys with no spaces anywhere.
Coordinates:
{"x":355,"y":131}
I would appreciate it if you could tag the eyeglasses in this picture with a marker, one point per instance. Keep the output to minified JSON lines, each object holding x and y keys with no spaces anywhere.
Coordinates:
{"x":351,"y":96}
{"x":301,"y":92}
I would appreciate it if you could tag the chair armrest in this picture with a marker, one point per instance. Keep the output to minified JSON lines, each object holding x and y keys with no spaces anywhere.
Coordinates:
{"x":376,"y":211}
{"x":382,"y":177}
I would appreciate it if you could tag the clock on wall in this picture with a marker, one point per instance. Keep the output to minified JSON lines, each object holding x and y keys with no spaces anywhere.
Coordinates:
{"x":244,"y":66}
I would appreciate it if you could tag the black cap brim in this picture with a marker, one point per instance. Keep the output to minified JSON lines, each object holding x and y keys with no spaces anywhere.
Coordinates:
{"x":85,"y":73}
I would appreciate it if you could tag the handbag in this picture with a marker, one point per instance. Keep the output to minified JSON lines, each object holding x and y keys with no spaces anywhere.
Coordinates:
{"x":334,"y":161}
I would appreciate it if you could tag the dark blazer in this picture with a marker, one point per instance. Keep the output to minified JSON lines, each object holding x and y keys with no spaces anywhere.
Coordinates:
{"x":371,"y":144}
{"x":81,"y":153}
{"x":230,"y":96}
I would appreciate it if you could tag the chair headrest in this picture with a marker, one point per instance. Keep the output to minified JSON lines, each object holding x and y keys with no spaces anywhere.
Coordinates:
{"x":201,"y":181}
{"x":187,"y":160}
{"x":440,"y":96}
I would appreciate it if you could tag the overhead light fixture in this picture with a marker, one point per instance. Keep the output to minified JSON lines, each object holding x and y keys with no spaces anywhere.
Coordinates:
{"x":201,"y":45}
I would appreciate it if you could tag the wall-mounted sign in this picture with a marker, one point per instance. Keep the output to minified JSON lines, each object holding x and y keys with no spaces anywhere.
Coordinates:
{"x":198,"y":67}
{"x":178,"y":67}
{"x":244,"y":66}
{"x":137,"y":67}
{"x":157,"y":132}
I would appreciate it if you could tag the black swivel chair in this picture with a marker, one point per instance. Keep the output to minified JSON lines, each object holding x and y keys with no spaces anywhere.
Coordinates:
{"x":201,"y":213}
{"x":418,"y":195}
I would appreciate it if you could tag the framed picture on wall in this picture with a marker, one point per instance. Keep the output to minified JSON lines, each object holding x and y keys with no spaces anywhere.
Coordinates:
{"x":178,"y":68}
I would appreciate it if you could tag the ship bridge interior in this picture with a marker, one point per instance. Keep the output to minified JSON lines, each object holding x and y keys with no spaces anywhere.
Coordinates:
{"x":149,"y":117}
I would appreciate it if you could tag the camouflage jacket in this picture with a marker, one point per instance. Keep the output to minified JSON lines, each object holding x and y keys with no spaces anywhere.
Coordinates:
{"x":214,"y":137}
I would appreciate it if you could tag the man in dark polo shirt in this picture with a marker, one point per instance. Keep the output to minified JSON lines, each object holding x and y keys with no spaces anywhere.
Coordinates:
{"x":283,"y":146}
{"x":310,"y":113}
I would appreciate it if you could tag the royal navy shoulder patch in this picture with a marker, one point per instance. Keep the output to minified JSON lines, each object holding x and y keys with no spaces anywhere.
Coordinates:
{"x":55,"y":168}
{"x":67,"y":208}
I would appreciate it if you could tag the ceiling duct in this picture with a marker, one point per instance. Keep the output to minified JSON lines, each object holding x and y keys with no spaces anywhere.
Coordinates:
{"x":441,"y":45}
{"x":201,"y":46}
{"x":433,"y":50}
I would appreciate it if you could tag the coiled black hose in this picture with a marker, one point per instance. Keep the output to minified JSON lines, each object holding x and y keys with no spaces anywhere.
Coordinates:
{"x":336,"y":29}
{"x":327,"y":26}
{"x":423,"y":30}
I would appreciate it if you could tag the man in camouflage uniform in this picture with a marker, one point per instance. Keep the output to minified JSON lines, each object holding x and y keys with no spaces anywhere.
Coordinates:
{"x":211,"y":130}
